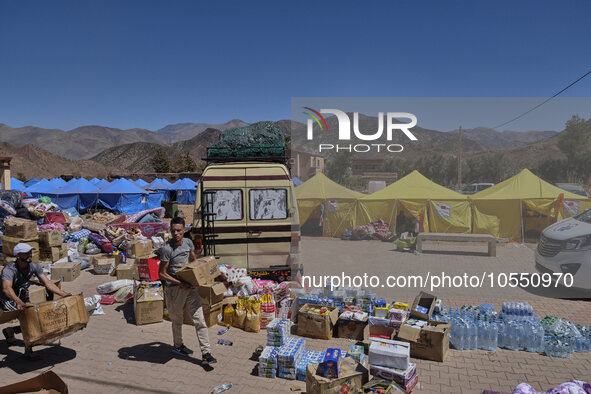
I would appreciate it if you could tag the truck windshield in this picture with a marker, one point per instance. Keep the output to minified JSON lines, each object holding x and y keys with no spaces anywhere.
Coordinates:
{"x":585,"y":216}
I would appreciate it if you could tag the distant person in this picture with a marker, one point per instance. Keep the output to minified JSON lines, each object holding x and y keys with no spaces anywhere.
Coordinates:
{"x":401,"y":223}
{"x":180,"y":296}
{"x":15,"y":289}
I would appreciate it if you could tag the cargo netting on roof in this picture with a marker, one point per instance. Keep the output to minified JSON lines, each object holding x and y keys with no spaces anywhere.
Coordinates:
{"x":262,"y":140}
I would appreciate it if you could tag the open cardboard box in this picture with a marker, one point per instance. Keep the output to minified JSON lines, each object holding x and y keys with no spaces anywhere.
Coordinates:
{"x":46,"y":383}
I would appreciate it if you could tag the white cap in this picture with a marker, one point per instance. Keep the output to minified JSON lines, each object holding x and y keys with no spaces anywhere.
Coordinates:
{"x":22,"y":248}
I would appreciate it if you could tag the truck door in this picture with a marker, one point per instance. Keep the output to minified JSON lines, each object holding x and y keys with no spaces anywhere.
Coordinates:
{"x":229,"y":205}
{"x":268,"y":217}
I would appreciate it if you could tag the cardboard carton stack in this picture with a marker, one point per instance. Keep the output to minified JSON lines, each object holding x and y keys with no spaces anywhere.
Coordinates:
{"x":390,"y":360}
{"x":428,"y":339}
{"x":289,"y":356}
{"x":51,"y":246}
{"x":17,"y":231}
{"x":202,"y":273}
{"x":268,"y":362}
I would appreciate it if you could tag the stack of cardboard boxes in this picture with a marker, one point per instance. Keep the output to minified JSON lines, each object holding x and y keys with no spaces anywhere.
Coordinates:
{"x":17,"y":231}
{"x":202,"y":273}
{"x":51,"y":247}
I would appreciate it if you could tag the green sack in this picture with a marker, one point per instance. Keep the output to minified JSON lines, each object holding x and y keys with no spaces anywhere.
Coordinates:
{"x":45,"y":200}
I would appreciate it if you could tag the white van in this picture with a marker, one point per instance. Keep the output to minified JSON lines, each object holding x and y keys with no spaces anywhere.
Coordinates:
{"x":256,"y":221}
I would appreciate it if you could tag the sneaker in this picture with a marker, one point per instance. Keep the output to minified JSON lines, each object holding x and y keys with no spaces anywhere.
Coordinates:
{"x":209,"y":359}
{"x":9,"y":335}
{"x":182,"y":350}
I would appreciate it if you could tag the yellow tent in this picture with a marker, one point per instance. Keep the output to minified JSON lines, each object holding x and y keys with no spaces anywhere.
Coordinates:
{"x":441,"y":209}
{"x":338,"y":202}
{"x":523,"y":204}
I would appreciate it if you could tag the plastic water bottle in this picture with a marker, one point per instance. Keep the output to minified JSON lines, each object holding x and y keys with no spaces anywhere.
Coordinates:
{"x":223,"y":330}
{"x":222,"y":388}
{"x":473,"y":335}
{"x":225,"y":342}
{"x":501,"y":333}
{"x":480,"y":324}
{"x":493,"y":335}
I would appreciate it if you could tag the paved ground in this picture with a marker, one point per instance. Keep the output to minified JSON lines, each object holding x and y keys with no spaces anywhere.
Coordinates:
{"x":112,"y":355}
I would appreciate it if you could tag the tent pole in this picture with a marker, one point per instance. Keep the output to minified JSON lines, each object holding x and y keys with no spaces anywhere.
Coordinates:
{"x":521,"y":219}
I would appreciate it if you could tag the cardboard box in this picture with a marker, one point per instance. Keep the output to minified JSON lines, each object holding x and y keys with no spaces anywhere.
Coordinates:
{"x":20,"y":228}
{"x":352,"y":329}
{"x":8,"y":243}
{"x":50,"y":238}
{"x":148,"y":268}
{"x":103,"y":263}
{"x":212,"y":294}
{"x":352,"y":377}
{"x":314,"y":325}
{"x":211,"y":312}
{"x":66,"y":272}
{"x":389,"y":353}
{"x":53,"y":253}
{"x":50,"y":320}
{"x":426,"y":301}
{"x":8,"y":316}
{"x":37,"y":294}
{"x":148,"y":305}
{"x":128,"y":260}
{"x":200,"y":272}
{"x":430,"y":342}
{"x":139,"y":249}
{"x":48,"y":382}
{"x":127,"y":271}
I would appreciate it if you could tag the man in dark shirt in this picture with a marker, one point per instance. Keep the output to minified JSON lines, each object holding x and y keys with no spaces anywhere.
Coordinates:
{"x":15,"y":288}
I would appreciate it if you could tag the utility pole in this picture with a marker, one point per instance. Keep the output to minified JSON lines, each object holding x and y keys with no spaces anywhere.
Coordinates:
{"x":460,"y":159}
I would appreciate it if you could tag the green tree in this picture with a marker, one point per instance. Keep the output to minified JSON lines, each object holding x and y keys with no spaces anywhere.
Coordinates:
{"x":185,"y":163}
{"x":573,"y":140}
{"x":338,"y":167}
{"x":21,"y":177}
{"x":161,"y":162}
{"x":551,"y":170}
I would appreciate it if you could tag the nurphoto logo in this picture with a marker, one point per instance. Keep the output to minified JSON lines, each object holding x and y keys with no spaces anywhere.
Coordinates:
{"x":344,"y":132}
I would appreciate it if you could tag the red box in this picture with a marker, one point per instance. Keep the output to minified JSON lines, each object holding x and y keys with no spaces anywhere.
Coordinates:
{"x":147,"y":269}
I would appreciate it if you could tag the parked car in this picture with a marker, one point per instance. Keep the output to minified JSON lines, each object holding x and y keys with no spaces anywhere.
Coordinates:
{"x":573,"y":188}
{"x":565,"y":247}
{"x":476,"y":187}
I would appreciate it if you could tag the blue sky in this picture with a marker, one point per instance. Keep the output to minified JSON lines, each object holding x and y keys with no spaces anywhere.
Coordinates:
{"x":125,"y":64}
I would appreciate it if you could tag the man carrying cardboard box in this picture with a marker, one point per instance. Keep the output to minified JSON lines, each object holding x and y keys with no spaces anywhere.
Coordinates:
{"x":176,"y":253}
{"x":15,"y":288}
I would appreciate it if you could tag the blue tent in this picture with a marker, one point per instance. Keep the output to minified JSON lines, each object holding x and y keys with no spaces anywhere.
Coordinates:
{"x":101,"y":184}
{"x":297,"y":181}
{"x":58,"y":182}
{"x":124,"y":196}
{"x":79,"y":194}
{"x":94,"y":181}
{"x":15,"y":184}
{"x":186,"y":190}
{"x":31,"y":182}
{"x":141,"y":183}
{"x":42,"y":188}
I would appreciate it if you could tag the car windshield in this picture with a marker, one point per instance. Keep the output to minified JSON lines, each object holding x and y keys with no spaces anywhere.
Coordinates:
{"x":585,"y":216}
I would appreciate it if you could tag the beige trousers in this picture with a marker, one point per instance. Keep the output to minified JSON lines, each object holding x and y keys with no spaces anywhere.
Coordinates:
{"x":179,"y":299}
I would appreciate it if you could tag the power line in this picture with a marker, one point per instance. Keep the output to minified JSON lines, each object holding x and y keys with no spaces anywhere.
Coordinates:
{"x":542,"y":103}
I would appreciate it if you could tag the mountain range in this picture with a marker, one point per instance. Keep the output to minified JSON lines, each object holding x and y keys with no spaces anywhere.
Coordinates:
{"x":98,"y":150}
